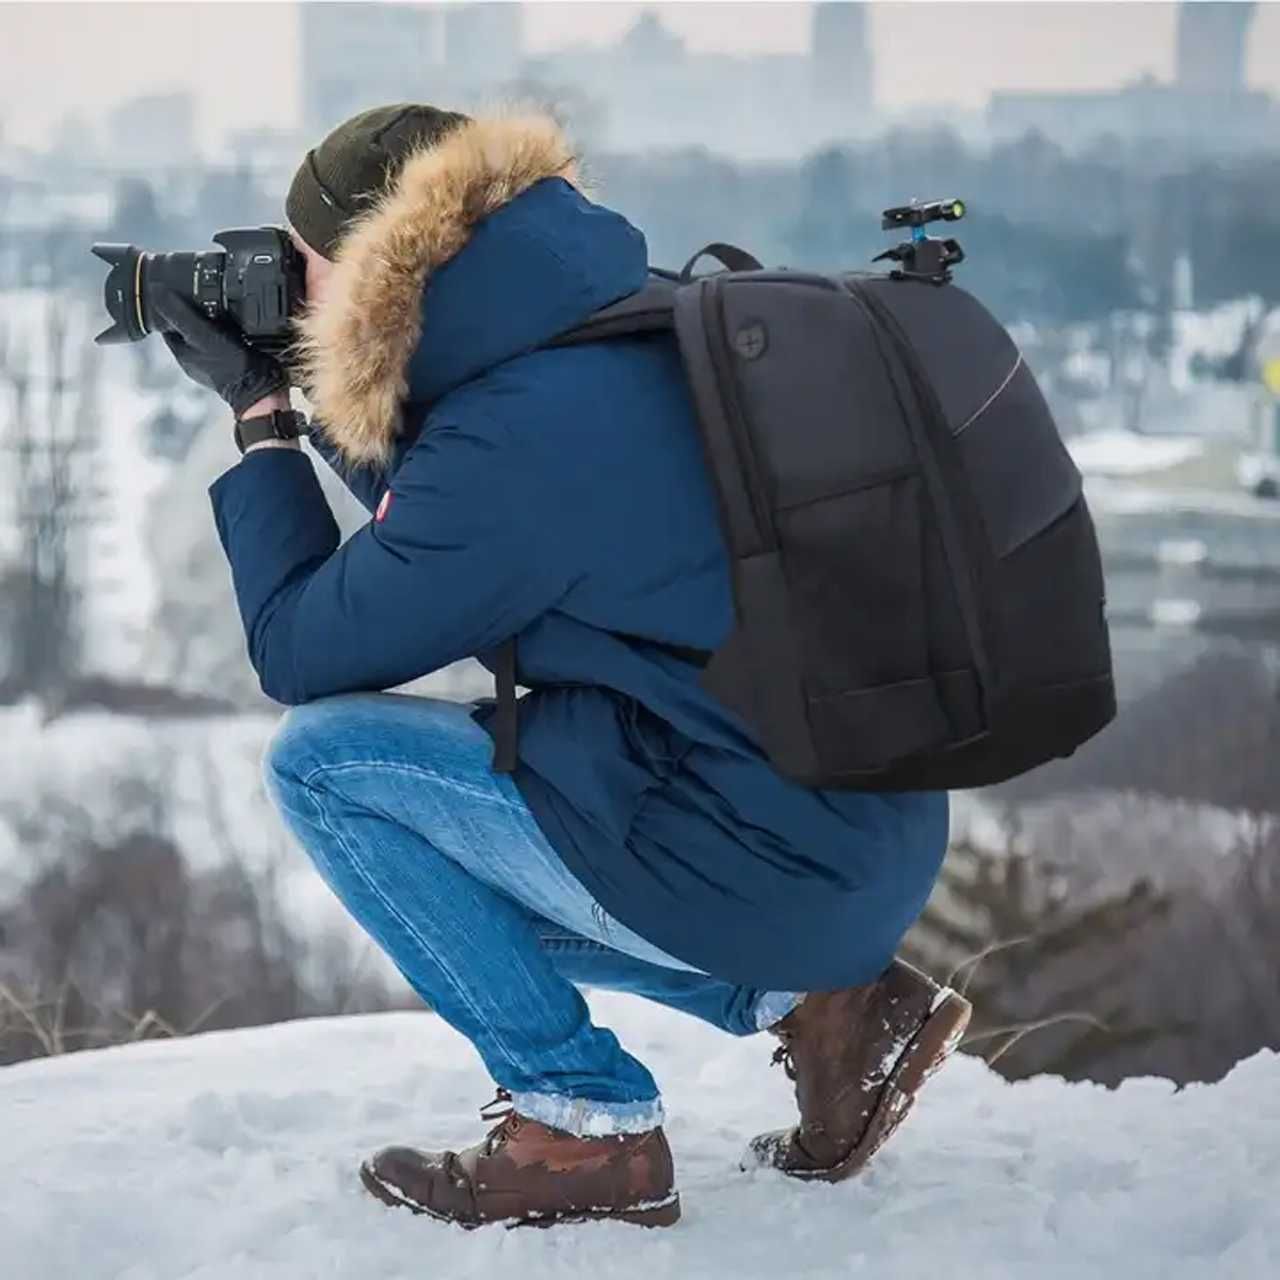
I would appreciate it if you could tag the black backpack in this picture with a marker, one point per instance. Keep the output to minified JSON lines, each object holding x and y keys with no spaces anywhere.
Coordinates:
{"x":918,"y":589}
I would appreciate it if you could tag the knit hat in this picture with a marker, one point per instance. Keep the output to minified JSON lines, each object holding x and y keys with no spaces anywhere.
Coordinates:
{"x":347,"y":172}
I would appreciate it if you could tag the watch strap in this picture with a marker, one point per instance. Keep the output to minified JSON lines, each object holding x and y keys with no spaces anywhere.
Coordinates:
{"x":279,"y":424}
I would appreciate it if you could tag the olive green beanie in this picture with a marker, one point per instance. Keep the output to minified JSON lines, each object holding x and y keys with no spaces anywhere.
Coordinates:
{"x":341,"y":177}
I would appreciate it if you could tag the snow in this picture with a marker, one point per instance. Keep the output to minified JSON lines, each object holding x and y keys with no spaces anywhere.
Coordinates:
{"x":1181,"y":551}
{"x":1125,"y":497}
{"x":1123,"y":453}
{"x":1175,"y":613}
{"x":235,"y":1154}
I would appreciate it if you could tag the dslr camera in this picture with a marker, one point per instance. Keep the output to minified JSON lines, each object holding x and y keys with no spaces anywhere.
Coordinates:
{"x":256,"y":281}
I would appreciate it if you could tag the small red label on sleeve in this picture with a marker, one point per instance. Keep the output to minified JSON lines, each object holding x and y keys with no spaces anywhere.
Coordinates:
{"x":383,"y":506}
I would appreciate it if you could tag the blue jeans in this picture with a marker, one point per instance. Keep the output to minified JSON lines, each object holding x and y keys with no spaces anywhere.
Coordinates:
{"x":441,"y":862}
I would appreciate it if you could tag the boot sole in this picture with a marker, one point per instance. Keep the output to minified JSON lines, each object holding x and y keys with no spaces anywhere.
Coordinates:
{"x":664,"y":1214}
{"x":927,"y":1051}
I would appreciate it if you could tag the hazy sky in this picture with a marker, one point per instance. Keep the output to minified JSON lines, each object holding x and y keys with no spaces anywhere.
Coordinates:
{"x":241,"y":57}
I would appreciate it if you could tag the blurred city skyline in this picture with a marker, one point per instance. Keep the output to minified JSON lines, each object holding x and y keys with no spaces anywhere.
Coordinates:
{"x":60,"y":60}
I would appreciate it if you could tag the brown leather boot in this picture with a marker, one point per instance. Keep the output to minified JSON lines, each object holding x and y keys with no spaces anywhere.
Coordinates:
{"x":858,"y":1058}
{"x":526,"y":1174}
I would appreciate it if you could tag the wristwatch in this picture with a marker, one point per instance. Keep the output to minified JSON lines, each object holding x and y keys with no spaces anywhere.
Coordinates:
{"x":279,"y":424}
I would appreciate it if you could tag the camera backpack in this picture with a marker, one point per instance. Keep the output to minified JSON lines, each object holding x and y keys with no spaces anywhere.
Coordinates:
{"x":918,"y":589}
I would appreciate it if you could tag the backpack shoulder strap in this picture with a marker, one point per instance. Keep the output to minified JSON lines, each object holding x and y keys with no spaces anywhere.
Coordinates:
{"x":728,"y":256}
{"x":648,"y":311}
{"x":651,"y":309}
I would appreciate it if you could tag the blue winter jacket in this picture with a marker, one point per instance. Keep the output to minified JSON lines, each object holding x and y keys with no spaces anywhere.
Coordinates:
{"x":558,"y":496}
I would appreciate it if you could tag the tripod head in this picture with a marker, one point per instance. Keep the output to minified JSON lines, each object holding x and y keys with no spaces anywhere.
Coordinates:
{"x":923,"y":257}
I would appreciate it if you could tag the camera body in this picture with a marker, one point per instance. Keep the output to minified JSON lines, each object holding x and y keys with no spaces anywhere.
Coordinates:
{"x":256,"y":281}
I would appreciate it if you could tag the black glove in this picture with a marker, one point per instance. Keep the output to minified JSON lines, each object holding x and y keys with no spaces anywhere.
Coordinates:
{"x":212,"y":354}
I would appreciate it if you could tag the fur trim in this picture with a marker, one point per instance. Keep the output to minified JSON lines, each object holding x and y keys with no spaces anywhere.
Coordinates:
{"x":353,"y":348}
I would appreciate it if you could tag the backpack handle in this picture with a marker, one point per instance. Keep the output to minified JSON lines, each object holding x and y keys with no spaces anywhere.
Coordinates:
{"x":727,"y":255}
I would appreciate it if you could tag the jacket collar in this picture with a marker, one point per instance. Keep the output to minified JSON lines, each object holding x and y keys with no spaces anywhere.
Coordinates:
{"x":354,"y":350}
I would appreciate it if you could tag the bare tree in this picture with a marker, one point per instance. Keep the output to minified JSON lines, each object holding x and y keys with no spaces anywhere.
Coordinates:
{"x":1097,"y":977}
{"x":1209,"y":734}
{"x":52,"y":442}
{"x":117,"y":937}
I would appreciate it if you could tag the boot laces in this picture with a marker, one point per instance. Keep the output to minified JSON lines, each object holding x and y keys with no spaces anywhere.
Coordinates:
{"x":508,"y":1122}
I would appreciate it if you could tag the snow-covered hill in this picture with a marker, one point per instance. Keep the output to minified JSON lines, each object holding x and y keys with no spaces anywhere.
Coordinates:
{"x":231,"y":1156}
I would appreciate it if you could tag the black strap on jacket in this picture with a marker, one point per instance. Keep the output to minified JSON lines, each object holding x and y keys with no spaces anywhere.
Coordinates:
{"x":506,"y":717}
{"x":505,"y":721}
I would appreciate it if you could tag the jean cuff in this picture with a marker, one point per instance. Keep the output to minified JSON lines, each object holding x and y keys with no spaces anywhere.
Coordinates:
{"x":586,"y":1118}
{"x":773,"y":1006}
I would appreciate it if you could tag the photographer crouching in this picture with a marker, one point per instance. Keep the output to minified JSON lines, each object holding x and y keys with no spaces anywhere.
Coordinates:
{"x":546,"y":507}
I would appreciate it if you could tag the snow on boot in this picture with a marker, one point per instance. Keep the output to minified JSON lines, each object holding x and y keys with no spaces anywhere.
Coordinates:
{"x":858,"y":1058}
{"x":527,"y":1174}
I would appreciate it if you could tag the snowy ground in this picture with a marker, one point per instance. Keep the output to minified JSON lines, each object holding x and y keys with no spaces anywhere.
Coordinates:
{"x":1123,"y":453}
{"x":233,"y":1155}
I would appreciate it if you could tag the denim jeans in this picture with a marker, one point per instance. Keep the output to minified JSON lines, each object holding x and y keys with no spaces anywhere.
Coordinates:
{"x":440,"y":861}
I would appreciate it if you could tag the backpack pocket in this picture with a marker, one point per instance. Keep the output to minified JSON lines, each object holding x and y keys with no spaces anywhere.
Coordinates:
{"x":856,"y":584}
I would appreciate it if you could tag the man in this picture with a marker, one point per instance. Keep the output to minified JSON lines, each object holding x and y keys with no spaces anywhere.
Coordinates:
{"x":644,"y":842}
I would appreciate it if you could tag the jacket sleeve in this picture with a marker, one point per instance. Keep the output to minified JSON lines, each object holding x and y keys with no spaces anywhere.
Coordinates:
{"x":459,"y":563}
{"x":366,"y":483}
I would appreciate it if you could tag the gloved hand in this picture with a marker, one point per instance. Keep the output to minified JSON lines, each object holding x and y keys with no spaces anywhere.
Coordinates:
{"x":213,"y":354}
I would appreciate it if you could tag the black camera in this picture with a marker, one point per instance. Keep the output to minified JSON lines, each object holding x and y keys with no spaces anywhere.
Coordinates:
{"x":257,"y":281}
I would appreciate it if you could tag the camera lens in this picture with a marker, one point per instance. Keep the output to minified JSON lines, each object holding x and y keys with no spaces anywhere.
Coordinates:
{"x":122,"y":293}
{"x":135,"y":274}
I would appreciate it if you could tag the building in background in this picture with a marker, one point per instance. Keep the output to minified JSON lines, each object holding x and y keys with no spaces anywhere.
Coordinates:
{"x":483,"y":42}
{"x":842,"y":67}
{"x":267,"y":149}
{"x":153,"y":131}
{"x":649,"y":46}
{"x":648,"y":90}
{"x":655,"y":93}
{"x":355,"y":56}
{"x":1212,"y":41}
{"x":1207,"y":108}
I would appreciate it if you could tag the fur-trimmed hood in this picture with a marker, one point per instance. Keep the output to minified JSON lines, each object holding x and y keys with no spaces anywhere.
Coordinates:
{"x":429,"y":288}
